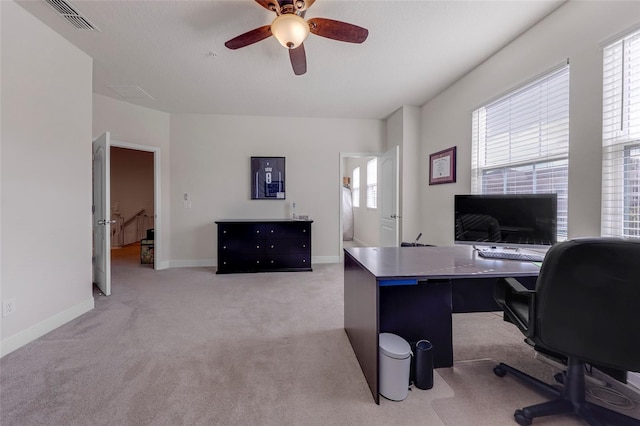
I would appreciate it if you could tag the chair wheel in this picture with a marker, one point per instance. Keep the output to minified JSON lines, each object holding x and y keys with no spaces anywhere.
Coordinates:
{"x":499,"y":371}
{"x":521,"y":419}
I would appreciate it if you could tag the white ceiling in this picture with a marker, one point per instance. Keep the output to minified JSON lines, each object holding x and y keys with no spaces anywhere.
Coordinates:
{"x":174,"y":51}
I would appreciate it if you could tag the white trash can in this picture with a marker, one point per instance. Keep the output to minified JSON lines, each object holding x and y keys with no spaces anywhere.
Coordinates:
{"x":395,"y":365}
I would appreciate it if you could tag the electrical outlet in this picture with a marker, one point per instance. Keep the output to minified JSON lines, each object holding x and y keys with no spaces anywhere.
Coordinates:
{"x":8,"y":307}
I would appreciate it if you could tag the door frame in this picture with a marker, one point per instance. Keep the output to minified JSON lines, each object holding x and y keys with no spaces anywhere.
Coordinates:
{"x":157,"y":222}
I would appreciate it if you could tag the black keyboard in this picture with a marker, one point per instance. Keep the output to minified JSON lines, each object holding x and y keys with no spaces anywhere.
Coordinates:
{"x":527,"y":257}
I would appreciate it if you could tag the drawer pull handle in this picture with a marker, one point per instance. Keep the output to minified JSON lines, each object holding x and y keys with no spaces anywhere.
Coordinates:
{"x":257,"y":232}
{"x":304,"y":260}
{"x":258,"y":247}
{"x":272,"y":231}
{"x":271,"y":245}
{"x":257,"y":261}
{"x":272,"y":261}
{"x":224,"y":263}
{"x":224,"y":247}
{"x":304,"y":246}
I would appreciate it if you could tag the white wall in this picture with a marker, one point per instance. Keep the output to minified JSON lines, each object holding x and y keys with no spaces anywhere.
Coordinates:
{"x":210,"y":160}
{"x":575,"y":31}
{"x":46,"y":177}
{"x":137,"y":125}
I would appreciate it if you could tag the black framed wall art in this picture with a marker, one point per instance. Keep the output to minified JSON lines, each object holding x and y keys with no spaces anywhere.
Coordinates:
{"x":267,"y":178}
{"x":442,"y":166}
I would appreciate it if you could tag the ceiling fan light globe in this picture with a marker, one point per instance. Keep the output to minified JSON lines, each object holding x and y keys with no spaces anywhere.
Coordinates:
{"x":290,"y":30}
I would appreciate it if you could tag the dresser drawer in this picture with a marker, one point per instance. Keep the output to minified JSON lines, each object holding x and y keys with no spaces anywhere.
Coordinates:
{"x":299,"y":261}
{"x":288,"y":245}
{"x":241,"y":246}
{"x":235,"y":231}
{"x":247,"y":263}
{"x":288,"y":230}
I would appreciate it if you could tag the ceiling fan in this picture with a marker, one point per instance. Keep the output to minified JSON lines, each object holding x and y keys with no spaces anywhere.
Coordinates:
{"x":291,"y":29}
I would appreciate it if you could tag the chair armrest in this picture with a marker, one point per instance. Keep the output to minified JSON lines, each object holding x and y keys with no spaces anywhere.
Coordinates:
{"x":518,"y":304}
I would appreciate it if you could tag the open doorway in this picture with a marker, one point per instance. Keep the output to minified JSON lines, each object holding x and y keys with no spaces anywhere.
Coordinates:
{"x":132,"y":206}
{"x":362,"y":223}
{"x":101,"y":208}
{"x":359,"y":222}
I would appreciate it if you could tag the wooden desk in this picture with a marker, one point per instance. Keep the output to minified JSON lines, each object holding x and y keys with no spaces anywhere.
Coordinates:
{"x":412,"y":292}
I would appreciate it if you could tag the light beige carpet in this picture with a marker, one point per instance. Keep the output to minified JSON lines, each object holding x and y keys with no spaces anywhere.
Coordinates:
{"x":189,"y":347}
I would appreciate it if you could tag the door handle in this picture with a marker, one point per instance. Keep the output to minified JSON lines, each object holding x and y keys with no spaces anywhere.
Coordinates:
{"x":395,"y":216}
{"x":106,"y":222}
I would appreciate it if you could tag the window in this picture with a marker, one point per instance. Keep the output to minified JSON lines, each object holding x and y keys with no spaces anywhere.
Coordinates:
{"x":355,"y":189}
{"x":621,"y":138}
{"x":372,"y":184}
{"x":520,"y":142}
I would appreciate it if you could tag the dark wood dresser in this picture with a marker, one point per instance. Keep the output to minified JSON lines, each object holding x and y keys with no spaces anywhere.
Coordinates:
{"x":264,"y":245}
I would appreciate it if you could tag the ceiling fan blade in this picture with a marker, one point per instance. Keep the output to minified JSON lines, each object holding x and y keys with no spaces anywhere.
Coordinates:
{"x":298,"y":60}
{"x":338,"y":30}
{"x":269,"y":4}
{"x":249,"y":37}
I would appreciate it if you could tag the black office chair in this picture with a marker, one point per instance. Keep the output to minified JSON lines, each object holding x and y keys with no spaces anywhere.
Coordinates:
{"x":586,"y":308}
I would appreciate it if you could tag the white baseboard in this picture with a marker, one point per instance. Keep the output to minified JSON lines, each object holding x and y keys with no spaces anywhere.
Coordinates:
{"x":325,"y":259}
{"x":164,"y":264}
{"x":16,"y":341}
{"x":208,"y":263}
{"x":359,"y":243}
{"x":195,"y":263}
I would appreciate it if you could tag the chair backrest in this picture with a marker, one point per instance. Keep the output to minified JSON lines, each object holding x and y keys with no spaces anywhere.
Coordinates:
{"x":588,"y":301}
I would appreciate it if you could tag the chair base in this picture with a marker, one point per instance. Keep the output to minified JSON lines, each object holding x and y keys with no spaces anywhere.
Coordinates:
{"x":568,"y":400}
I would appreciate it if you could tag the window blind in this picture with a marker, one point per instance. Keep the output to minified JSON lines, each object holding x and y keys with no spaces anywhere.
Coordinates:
{"x":621,"y":138}
{"x":355,"y":189}
{"x":520,"y":142}
{"x":372,"y":184}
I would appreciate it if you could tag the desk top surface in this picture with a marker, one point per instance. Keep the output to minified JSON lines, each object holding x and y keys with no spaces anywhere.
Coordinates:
{"x":436,"y":262}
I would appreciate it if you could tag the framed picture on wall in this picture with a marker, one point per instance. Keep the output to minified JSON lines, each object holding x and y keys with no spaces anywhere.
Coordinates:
{"x":267,"y":178}
{"x":442,"y":166}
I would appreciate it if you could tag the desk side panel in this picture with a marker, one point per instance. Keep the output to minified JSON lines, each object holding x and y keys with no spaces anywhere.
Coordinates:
{"x":416,"y":312}
{"x":361,"y":319}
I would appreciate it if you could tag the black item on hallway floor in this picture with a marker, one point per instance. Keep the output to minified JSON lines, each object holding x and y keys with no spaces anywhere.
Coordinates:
{"x":146,"y":252}
{"x":424,"y":365}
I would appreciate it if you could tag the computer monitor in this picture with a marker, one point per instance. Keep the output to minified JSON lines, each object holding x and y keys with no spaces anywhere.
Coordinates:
{"x":506,"y":220}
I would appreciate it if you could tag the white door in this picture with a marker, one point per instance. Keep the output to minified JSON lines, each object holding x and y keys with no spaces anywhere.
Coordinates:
{"x":388,"y":197}
{"x":102,"y":213}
